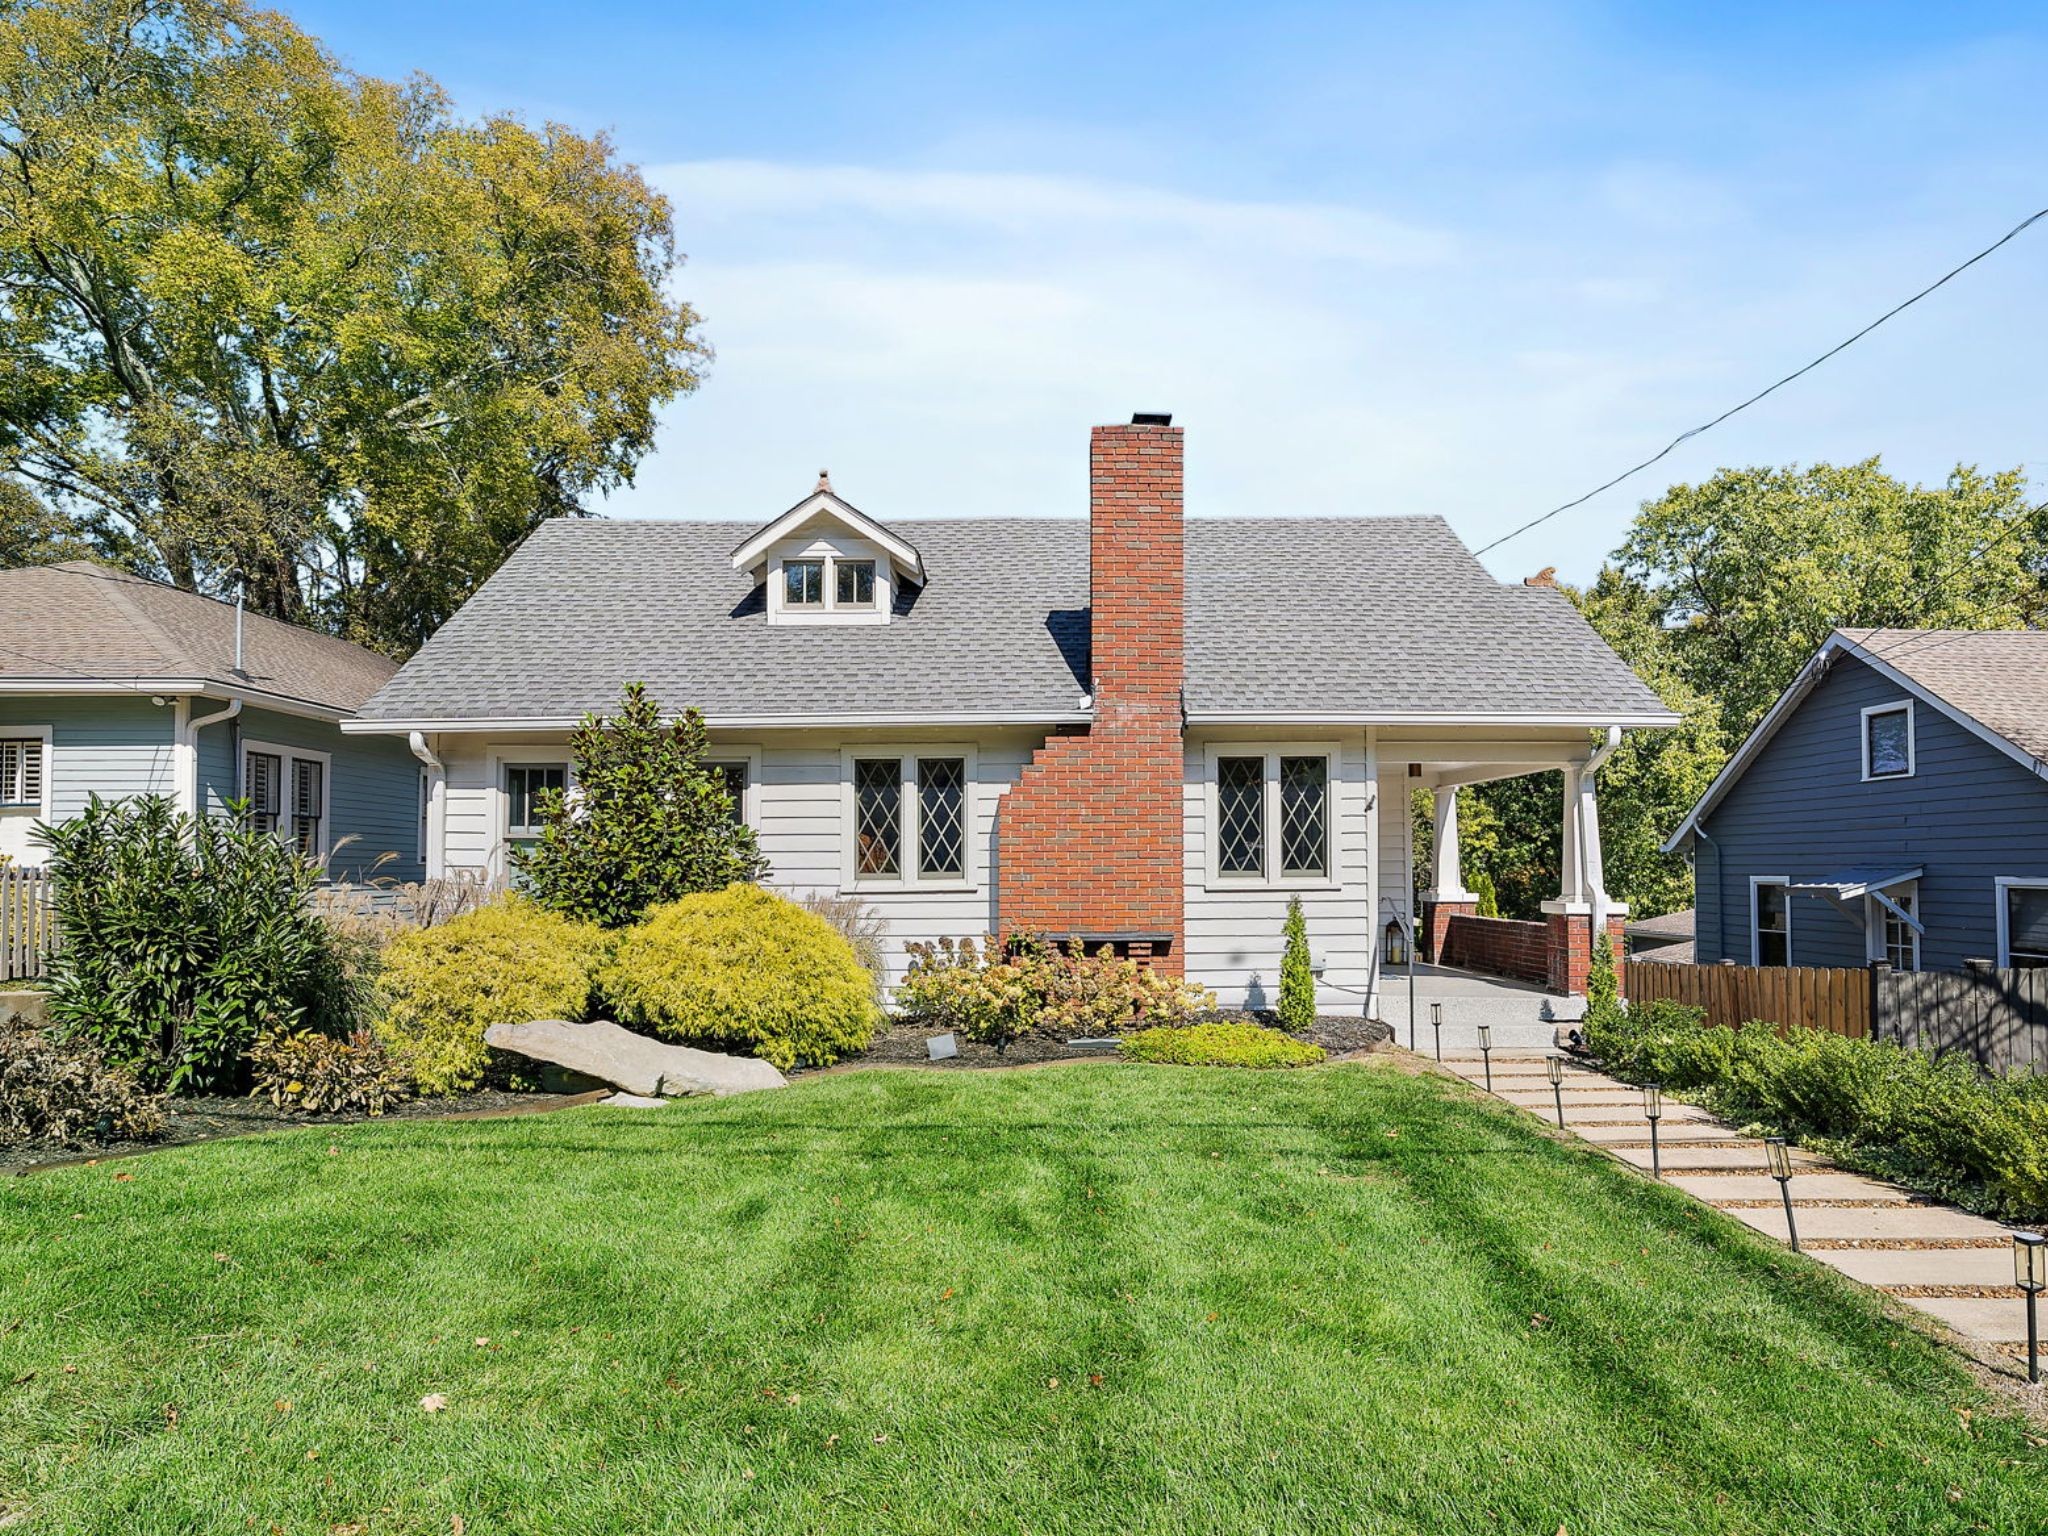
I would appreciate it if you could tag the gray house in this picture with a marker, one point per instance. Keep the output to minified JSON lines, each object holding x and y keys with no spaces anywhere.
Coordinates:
{"x":1892,"y":805}
{"x":117,"y":686}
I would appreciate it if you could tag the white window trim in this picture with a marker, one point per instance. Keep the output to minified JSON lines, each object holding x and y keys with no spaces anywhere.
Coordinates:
{"x":908,"y":879}
{"x":1874,"y":915}
{"x":750,"y":802}
{"x":1897,"y":706}
{"x":829,"y":551}
{"x":2002,"y":884}
{"x":40,"y":733}
{"x":1213,"y":879}
{"x":287,"y":755}
{"x":1755,"y":930}
{"x":539,"y":757}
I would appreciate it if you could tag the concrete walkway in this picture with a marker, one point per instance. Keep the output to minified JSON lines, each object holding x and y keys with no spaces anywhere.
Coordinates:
{"x":1955,"y":1267}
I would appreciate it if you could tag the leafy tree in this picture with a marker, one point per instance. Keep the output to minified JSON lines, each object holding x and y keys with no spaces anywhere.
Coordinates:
{"x":1297,"y":977}
{"x":647,"y":822}
{"x":264,"y":315}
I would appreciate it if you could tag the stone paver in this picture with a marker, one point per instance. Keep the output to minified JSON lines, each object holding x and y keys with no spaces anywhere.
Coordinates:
{"x":1921,"y":1266}
{"x":1992,"y":1319}
{"x":1584,"y":1098}
{"x":1717,"y":1187}
{"x":1739,"y":1157}
{"x":1632,"y":1114}
{"x":1670,"y":1135}
{"x":1885,"y":1222}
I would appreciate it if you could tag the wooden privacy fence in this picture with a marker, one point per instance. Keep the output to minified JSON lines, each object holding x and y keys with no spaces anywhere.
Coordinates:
{"x":1834,"y":1000}
{"x":24,"y":923}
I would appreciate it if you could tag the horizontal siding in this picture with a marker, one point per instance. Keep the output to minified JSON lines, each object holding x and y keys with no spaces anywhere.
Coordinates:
{"x":1968,"y":815}
{"x":114,"y":746}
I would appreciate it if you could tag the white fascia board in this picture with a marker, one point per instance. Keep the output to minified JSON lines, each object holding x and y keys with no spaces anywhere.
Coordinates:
{"x":901,"y":552}
{"x":169,"y":687}
{"x":1423,"y":717}
{"x":727,"y":722}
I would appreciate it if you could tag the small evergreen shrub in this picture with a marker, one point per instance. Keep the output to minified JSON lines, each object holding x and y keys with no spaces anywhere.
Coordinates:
{"x":1220,"y":1045}
{"x":1603,"y":996}
{"x":65,"y":1093}
{"x":743,"y":967}
{"x":646,"y":823}
{"x":1297,"y":979}
{"x":987,"y":994}
{"x":1486,"y":897}
{"x":507,"y":963}
{"x":183,"y":940}
{"x":319,"y":1075}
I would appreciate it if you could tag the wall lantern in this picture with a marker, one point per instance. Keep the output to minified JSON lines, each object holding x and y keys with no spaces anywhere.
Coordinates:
{"x":1397,"y":942}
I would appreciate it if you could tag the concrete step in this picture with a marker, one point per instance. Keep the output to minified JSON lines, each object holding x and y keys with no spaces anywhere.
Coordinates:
{"x":1921,"y":1266}
{"x":1628,"y":1114}
{"x":1516,"y":1034}
{"x":1889,"y":1223}
{"x":1717,"y":1187}
{"x":1747,"y":1157}
{"x":1672,"y":1136}
{"x":1988,"y":1319}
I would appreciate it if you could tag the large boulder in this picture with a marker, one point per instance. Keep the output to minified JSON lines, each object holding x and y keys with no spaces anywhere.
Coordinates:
{"x":631,"y":1062}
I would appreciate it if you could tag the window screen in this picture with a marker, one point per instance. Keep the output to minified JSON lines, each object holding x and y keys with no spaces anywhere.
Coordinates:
{"x":2026,"y":926}
{"x":1889,"y":741}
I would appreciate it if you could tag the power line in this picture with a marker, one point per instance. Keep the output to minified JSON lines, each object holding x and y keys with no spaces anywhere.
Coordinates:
{"x":2014,"y":232}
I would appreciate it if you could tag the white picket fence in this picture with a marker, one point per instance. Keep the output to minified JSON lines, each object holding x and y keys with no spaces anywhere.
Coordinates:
{"x":24,"y":923}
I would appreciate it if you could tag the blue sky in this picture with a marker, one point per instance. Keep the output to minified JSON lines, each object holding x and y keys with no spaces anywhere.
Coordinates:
{"x":1469,"y":260}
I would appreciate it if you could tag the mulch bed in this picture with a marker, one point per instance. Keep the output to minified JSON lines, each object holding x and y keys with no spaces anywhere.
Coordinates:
{"x":901,"y":1044}
{"x":205,"y":1118}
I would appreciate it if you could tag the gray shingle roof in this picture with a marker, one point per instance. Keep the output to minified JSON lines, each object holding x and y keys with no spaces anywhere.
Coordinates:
{"x":1998,"y":677}
{"x":79,"y":622}
{"x":1284,"y":615}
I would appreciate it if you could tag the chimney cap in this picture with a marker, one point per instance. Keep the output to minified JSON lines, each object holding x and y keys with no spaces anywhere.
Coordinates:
{"x":1152,"y":419}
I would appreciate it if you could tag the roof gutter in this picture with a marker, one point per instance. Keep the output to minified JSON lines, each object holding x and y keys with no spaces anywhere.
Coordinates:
{"x":186,"y":735}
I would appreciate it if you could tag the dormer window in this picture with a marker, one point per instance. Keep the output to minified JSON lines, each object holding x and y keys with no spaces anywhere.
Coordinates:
{"x":826,"y":562}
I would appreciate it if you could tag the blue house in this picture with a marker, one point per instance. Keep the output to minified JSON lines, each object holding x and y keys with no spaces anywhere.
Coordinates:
{"x":117,"y":686}
{"x":1892,"y":805}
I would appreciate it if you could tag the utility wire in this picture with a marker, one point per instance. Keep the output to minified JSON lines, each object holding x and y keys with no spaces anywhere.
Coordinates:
{"x":1843,"y":346}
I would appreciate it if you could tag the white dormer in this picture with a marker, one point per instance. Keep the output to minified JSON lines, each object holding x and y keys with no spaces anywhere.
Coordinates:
{"x":824,"y":561}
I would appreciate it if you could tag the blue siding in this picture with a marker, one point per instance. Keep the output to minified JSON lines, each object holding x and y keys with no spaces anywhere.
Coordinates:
{"x":1968,"y":815}
{"x":115,"y":746}
{"x":372,"y":794}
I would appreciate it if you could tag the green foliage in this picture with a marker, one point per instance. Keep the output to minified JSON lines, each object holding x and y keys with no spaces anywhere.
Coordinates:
{"x":1297,"y":980}
{"x":65,"y":1093}
{"x":988,"y":994}
{"x":1935,"y":1124}
{"x":320,"y":1075}
{"x":647,"y":823}
{"x":506,"y":963}
{"x":1603,"y":994}
{"x":743,"y":967}
{"x":268,"y":314}
{"x":1220,"y":1045}
{"x":182,"y":940}
{"x":1488,"y":904}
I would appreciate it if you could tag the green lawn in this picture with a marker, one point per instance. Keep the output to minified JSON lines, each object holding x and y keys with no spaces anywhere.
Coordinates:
{"x":1094,"y":1298}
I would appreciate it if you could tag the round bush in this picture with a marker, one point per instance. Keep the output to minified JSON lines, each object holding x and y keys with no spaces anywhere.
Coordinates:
{"x":743,"y":967}
{"x":506,"y":963}
{"x":1220,"y":1045}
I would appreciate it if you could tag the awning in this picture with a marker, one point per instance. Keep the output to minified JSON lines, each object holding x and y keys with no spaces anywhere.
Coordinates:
{"x":1872,"y":880}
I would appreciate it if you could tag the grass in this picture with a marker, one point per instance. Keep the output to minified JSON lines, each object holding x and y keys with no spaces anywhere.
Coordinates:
{"x":1103,"y":1297}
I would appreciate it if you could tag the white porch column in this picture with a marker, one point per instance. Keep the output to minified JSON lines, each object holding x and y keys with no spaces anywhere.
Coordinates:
{"x":1592,"y":872}
{"x":1572,"y":870}
{"x":1447,"y":882}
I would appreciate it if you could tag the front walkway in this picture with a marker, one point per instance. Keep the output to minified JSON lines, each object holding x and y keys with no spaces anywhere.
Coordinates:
{"x":1524,"y":1017}
{"x":1955,"y":1267}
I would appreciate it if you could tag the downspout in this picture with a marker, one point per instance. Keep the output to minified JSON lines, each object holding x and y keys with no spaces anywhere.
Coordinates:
{"x":437,"y":781}
{"x":188,"y":745}
{"x":1699,"y":829}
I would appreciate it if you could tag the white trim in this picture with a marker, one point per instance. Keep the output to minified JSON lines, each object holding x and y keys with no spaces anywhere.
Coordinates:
{"x":45,"y":811}
{"x":909,"y":844}
{"x":1273,"y":878}
{"x":1755,"y":931}
{"x":754,"y":548}
{"x":1422,"y":717}
{"x":514,"y":757}
{"x":2001,"y":884}
{"x":851,"y":721}
{"x":1892,"y":708}
{"x":287,"y":790}
{"x":276,"y":703}
{"x":1877,"y":907}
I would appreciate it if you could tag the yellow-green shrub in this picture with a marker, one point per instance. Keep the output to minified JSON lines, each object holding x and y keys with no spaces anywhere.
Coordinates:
{"x":1220,"y":1045}
{"x":743,"y":967}
{"x":505,"y":963}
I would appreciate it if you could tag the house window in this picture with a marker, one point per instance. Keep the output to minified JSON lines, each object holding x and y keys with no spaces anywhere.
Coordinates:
{"x":1771,"y":923}
{"x":732,"y":773}
{"x":854,"y":583}
{"x":1888,"y":741}
{"x":525,"y":783}
{"x":287,"y":791}
{"x":1892,"y":937}
{"x":1272,"y":816}
{"x":911,"y":818}
{"x":803,"y":583}
{"x":21,"y":772}
{"x":2022,"y":924}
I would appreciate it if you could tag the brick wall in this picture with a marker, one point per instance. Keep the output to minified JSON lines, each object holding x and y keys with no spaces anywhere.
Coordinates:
{"x":1089,"y":838}
{"x":1499,"y":946}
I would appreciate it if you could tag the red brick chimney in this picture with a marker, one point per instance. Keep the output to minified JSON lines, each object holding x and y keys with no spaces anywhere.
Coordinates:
{"x":1088,"y":840}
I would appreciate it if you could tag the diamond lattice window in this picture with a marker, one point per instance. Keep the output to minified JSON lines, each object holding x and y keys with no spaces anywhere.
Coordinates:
{"x":1304,"y":815}
{"x":878,"y":816}
{"x":1241,"y":815}
{"x":941,"y":816}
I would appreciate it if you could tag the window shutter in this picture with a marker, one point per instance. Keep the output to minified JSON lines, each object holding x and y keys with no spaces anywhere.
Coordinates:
{"x":21,"y":772}
{"x":263,"y":772}
{"x":308,"y":802}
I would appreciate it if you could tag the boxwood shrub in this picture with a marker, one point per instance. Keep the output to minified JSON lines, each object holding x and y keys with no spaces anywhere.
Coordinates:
{"x":506,"y":963}
{"x":743,"y":968}
{"x":1220,"y":1045}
